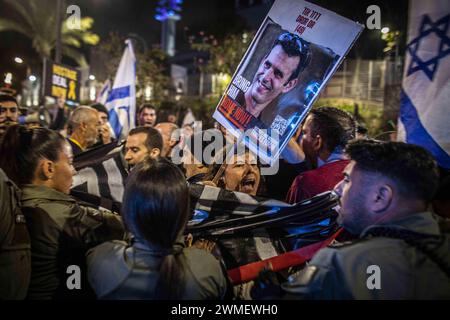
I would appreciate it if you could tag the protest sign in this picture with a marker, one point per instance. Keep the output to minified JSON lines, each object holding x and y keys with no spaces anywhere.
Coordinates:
{"x":62,"y":81}
{"x":294,"y":53}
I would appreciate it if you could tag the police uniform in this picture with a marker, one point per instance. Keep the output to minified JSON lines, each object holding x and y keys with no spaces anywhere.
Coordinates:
{"x":119,"y":270}
{"x":377,"y":267}
{"x":15,"y":256}
{"x":61,"y":231}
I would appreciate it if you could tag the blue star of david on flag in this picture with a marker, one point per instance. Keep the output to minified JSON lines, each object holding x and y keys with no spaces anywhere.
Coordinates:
{"x":121,"y":101}
{"x":428,"y":28}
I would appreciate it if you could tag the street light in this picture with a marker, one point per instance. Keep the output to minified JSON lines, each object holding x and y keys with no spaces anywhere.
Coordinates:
{"x":92,"y":93}
{"x":385,"y":30}
{"x":8,"y":78}
{"x":32,"y":78}
{"x":92,"y":77}
{"x":18,"y":60}
{"x":148,"y":92}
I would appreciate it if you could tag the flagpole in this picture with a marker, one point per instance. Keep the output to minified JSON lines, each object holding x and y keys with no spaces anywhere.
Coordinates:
{"x":58,"y":49}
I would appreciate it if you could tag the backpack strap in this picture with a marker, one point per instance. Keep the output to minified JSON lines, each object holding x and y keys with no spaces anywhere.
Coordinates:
{"x":433,"y":246}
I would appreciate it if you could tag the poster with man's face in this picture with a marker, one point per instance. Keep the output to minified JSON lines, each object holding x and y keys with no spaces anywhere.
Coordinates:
{"x":294,"y":53}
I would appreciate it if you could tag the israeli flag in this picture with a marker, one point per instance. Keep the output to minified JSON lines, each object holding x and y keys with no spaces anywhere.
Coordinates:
{"x":121,"y":102}
{"x":104,"y":92}
{"x":425,"y":98}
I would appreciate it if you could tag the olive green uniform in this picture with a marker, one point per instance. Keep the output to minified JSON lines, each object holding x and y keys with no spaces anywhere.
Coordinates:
{"x":15,"y":256}
{"x":61,"y":231}
{"x":377,"y":267}
{"x":120,"y":270}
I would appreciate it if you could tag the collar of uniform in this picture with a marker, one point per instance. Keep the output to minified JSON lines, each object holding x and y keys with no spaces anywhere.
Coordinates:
{"x":422,"y":222}
{"x":5,"y":178}
{"x":142,"y":245}
{"x":31,"y":191}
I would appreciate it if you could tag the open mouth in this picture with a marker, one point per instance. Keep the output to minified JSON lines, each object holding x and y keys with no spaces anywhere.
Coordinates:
{"x":248,"y":184}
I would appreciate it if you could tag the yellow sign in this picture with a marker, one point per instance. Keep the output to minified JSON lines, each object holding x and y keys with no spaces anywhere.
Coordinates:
{"x":59,"y":92}
{"x":64,"y":72}
{"x":62,"y":81}
{"x":72,"y":95}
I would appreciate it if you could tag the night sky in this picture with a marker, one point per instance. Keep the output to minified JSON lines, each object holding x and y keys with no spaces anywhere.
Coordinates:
{"x":216,"y":17}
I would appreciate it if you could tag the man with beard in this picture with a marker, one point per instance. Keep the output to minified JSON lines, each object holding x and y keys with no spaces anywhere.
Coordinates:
{"x":142,"y":142}
{"x":84,"y":127}
{"x":401,"y":252}
{"x":325,"y":133}
{"x":9,"y":111}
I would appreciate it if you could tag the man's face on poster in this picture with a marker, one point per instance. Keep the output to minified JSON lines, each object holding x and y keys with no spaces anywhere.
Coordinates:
{"x":272,"y":77}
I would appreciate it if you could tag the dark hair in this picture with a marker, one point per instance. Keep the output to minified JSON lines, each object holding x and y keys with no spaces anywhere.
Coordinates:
{"x":294,"y":46}
{"x":361,"y":128}
{"x":156,"y":210}
{"x":100,"y":108}
{"x":443,"y":191}
{"x":205,"y":137}
{"x":335,"y":126}
{"x":222,"y":156}
{"x":22,"y":148}
{"x":145,"y":106}
{"x":411,"y":167}
{"x":7,"y":97}
{"x":154,"y":138}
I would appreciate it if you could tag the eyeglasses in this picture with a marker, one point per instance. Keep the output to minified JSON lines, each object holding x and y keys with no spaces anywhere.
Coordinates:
{"x":291,"y":37}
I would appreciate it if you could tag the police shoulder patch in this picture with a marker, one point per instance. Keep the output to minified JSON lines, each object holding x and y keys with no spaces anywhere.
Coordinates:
{"x":336,"y":244}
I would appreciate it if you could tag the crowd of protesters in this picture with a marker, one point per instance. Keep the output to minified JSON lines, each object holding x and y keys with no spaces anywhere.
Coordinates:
{"x":393,"y":206}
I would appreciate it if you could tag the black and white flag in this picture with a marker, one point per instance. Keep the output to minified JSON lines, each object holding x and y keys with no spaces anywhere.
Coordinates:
{"x":247,"y":227}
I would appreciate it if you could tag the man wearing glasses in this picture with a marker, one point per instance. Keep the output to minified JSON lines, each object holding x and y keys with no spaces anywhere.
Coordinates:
{"x":278,"y":72}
